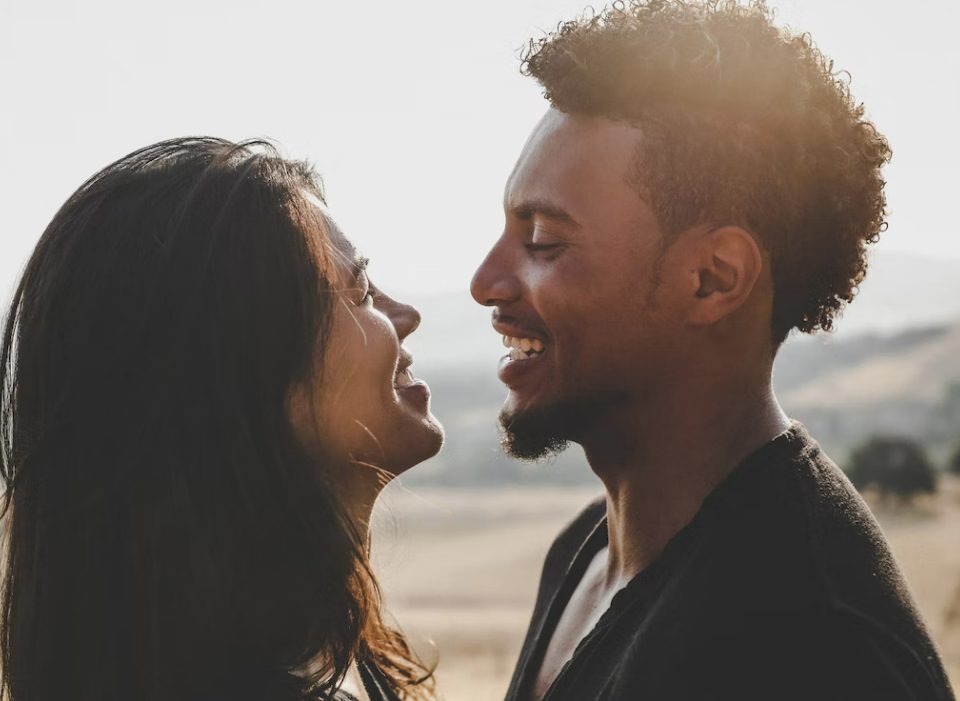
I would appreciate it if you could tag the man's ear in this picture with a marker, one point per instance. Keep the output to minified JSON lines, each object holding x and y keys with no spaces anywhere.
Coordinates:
{"x":726,"y":266}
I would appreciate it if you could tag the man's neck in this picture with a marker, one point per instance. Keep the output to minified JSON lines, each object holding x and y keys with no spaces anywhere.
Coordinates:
{"x":659,"y":465}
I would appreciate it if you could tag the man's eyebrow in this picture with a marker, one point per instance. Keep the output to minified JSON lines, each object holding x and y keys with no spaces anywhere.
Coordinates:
{"x":527,"y":209}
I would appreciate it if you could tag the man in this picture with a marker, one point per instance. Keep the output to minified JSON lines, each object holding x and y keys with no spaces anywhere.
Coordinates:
{"x":702,"y":184}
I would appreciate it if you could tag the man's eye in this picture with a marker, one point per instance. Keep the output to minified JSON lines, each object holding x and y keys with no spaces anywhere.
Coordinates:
{"x":540,"y":247}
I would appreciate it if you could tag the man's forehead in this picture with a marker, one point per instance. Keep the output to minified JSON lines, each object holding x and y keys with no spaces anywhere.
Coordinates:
{"x":568,"y":155}
{"x":581,"y":136}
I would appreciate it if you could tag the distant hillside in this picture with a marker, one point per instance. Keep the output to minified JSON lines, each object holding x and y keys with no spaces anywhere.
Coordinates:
{"x":915,"y":367}
{"x":906,"y":384}
{"x":805,"y":359}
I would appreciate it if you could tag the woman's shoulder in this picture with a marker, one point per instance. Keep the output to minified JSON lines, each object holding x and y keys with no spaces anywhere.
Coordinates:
{"x":341,"y":695}
{"x":373,"y":686}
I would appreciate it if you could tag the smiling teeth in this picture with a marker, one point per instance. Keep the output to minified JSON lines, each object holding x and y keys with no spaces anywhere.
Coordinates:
{"x":522,"y":348}
{"x":404,"y":379}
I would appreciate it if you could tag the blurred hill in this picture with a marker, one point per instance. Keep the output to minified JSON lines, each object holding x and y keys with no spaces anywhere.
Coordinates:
{"x":893,"y":366}
{"x":905,"y":384}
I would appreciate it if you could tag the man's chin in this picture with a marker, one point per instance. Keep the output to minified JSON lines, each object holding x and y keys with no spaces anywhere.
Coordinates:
{"x":530,"y":435}
{"x":542,"y":432}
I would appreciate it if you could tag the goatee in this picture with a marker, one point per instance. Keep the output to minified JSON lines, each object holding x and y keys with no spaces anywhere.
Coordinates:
{"x":544,"y":432}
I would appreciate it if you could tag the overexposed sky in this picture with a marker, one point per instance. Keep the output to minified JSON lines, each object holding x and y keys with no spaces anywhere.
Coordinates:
{"x":413,"y":111}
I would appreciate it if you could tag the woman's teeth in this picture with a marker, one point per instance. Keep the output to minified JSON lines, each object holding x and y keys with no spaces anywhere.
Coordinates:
{"x":523,"y":348}
{"x":404,"y":379}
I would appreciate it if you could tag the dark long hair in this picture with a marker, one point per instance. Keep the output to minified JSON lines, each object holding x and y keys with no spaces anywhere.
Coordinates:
{"x":166,"y":536}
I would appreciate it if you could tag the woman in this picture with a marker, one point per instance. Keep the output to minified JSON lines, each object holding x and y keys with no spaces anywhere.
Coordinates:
{"x":202,"y":395}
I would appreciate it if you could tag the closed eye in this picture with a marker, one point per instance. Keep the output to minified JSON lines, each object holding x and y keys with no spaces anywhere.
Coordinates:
{"x":369,"y":291}
{"x":540,"y":247}
{"x":363,"y":282}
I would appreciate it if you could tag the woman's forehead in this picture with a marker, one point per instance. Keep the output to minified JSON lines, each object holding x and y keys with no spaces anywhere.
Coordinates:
{"x":344,"y":254}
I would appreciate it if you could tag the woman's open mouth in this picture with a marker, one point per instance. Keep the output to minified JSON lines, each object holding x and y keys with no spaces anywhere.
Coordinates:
{"x":410,"y":387}
{"x":404,"y":378}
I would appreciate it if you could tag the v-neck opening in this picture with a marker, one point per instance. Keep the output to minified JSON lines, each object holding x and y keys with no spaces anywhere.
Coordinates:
{"x":591,"y":545}
{"x":639,"y":588}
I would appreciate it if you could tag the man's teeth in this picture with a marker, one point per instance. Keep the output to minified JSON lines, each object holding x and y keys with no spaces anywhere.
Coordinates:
{"x":522,"y":348}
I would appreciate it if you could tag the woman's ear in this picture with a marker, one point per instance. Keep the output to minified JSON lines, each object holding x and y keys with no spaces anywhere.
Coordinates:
{"x":726,"y":265}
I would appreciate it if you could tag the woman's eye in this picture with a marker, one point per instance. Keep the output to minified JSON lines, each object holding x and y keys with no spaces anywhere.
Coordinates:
{"x":368,"y":290}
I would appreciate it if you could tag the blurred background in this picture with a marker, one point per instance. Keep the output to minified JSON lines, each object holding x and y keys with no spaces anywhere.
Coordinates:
{"x":414,"y":113}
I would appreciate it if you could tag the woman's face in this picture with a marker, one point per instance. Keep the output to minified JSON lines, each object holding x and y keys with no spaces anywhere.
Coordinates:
{"x":364,"y":409}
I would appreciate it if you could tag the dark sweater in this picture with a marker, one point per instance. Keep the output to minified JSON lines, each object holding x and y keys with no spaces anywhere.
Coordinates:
{"x":781,"y":588}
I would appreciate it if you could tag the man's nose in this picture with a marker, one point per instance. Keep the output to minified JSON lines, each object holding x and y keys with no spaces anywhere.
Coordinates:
{"x":495,"y":281}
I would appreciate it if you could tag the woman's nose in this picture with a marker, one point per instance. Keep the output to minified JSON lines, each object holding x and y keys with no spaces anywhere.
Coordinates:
{"x":404,"y":317}
{"x":406,"y":320}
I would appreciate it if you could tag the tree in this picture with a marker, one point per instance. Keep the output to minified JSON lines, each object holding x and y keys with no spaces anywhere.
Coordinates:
{"x":896,"y":467}
{"x":953,"y":464}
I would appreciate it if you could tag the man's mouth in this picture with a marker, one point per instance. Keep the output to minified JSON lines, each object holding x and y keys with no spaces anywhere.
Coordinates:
{"x":528,"y":349}
{"x":523,"y":348}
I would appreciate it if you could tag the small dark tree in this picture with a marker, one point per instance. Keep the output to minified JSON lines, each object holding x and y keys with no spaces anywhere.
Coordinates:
{"x":953,"y":464}
{"x":896,"y":467}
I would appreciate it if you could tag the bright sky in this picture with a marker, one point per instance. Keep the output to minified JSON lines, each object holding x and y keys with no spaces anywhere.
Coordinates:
{"x":413,"y":111}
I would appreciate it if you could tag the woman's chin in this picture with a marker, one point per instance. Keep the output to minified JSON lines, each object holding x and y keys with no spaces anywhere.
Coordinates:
{"x":437,"y":437}
{"x":421,"y":444}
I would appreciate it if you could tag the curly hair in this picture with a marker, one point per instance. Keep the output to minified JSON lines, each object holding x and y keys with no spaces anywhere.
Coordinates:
{"x":742,"y":123}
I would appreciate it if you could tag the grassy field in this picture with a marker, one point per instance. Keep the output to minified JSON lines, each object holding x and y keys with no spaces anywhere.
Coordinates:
{"x":459,"y":570}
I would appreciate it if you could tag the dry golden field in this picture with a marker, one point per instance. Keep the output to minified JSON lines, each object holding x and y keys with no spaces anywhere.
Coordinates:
{"x":459,"y":570}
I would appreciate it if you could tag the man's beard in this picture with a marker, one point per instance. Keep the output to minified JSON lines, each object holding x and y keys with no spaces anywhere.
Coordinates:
{"x":544,"y":432}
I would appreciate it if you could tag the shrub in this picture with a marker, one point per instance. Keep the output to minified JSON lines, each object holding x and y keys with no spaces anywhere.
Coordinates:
{"x":895,"y":467}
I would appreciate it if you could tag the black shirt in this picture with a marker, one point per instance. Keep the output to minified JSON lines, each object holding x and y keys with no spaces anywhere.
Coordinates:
{"x":781,"y":588}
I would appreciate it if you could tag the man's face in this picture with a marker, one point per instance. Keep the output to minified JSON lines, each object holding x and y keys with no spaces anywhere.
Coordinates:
{"x":575,"y":277}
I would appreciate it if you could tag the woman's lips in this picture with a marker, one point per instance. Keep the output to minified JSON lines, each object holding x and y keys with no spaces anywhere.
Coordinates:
{"x":403,"y":378}
{"x":411,"y":389}
{"x":417,"y":392}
